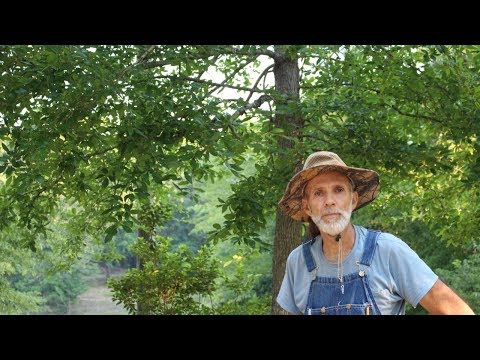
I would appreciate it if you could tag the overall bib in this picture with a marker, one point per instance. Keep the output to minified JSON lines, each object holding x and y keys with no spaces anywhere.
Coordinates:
{"x":353,"y":296}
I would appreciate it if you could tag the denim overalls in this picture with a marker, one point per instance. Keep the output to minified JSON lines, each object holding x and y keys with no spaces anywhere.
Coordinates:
{"x":326,"y":297}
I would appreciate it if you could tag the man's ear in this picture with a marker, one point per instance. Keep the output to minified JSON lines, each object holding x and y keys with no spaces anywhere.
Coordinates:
{"x":354,"y":200}
{"x":306,"y":208}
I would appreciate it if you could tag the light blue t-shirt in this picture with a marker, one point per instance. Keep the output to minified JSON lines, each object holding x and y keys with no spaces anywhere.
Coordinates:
{"x":396,"y":273}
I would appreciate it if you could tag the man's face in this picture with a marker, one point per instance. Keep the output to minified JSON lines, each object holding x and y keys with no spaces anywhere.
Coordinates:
{"x":329,"y":201}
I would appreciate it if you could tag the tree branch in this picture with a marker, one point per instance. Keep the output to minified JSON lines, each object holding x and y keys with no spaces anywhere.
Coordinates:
{"x":208,"y":82}
{"x":159,"y":63}
{"x":244,"y":109}
{"x":320,"y":139}
{"x":418,"y":116}
{"x":235,"y":51}
{"x":145,"y":54}
{"x":235,"y":72}
{"x":252,"y":105}
{"x":99,"y":152}
{"x":264,"y":73}
{"x":200,"y":74}
{"x":139,"y":61}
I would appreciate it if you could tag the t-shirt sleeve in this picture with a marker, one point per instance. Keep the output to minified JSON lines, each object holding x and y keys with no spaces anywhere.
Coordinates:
{"x":285,"y":296}
{"x":412,"y":277}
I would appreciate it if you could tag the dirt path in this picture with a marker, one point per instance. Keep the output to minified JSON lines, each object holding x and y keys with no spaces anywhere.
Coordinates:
{"x":97,"y":300}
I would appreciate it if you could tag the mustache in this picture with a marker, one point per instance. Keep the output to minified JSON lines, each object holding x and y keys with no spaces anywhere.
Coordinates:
{"x":333,"y":211}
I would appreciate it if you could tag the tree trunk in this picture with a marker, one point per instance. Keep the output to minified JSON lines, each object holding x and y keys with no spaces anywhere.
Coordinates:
{"x":139,"y":263}
{"x":287,"y":237}
{"x":287,"y":230}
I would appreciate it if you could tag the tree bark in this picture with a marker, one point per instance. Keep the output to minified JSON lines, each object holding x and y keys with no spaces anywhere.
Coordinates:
{"x":141,"y":234}
{"x":287,"y":230}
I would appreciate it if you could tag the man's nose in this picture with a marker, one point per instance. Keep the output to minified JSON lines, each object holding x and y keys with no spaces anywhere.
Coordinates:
{"x":329,"y":199}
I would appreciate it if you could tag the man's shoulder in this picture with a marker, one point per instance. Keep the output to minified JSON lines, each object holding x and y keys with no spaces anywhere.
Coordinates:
{"x":384,"y":239}
{"x":297,"y":253}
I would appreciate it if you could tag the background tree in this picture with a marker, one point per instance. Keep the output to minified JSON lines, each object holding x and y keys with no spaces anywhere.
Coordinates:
{"x":167,"y":282}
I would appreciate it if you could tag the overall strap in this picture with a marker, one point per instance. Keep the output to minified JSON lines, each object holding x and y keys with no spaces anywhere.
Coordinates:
{"x":307,"y":254}
{"x":370,"y":246}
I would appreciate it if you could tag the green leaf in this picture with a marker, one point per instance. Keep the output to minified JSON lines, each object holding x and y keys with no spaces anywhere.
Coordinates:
{"x":127,"y":228}
{"x":7,"y":150}
{"x":111,"y":231}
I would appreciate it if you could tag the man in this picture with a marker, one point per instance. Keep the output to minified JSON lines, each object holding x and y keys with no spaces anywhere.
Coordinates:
{"x":345,"y":269}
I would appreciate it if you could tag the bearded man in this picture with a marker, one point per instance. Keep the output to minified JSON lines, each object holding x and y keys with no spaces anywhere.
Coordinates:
{"x":346,"y":269}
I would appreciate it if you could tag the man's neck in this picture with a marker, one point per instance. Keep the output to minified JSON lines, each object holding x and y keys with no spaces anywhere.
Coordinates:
{"x":330,"y":243}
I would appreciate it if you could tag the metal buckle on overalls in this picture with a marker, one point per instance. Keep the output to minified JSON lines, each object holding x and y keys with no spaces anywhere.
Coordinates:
{"x":361,"y":272}
{"x":313,"y":273}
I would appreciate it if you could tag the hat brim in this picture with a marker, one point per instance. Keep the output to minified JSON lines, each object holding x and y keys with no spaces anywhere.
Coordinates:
{"x":366,"y":184}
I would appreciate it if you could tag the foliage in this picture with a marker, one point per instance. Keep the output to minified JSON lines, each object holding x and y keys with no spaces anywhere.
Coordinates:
{"x":168,"y":281}
{"x":42,"y":280}
{"x":244,"y":285}
{"x":15,"y":261}
{"x":117,"y":251}
{"x":180,"y":227}
{"x":16,"y":302}
{"x":464,"y":278}
{"x":79,"y":122}
{"x":58,"y":289}
{"x":56,"y":275}
{"x":238,"y":291}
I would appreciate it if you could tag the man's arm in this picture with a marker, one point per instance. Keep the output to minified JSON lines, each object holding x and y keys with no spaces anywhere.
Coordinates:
{"x":441,"y":300}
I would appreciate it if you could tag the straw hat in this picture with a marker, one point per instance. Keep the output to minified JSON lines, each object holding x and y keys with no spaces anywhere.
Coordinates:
{"x":366,"y":182}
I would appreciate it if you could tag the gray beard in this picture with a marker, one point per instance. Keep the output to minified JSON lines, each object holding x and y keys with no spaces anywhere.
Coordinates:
{"x":335,"y":227}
